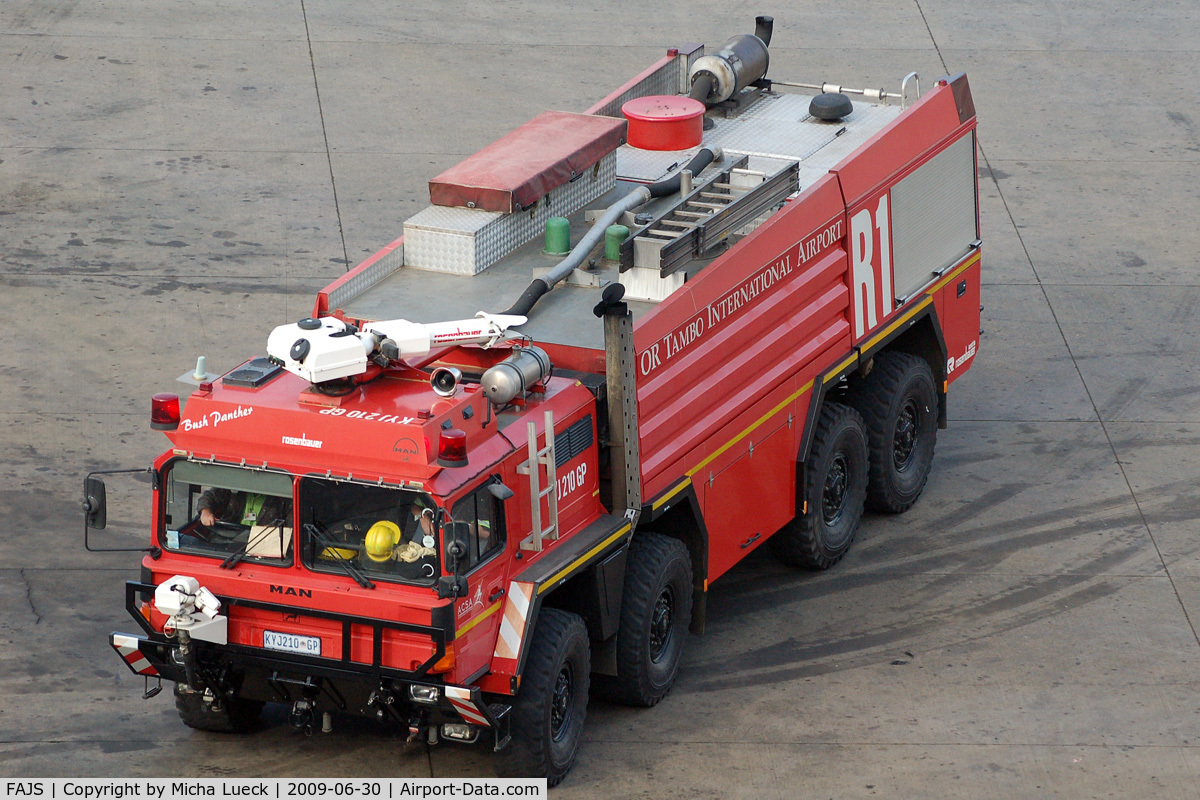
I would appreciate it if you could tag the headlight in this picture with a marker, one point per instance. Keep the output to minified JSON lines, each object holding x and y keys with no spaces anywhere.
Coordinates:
{"x":426,"y":695}
{"x":459,"y":732}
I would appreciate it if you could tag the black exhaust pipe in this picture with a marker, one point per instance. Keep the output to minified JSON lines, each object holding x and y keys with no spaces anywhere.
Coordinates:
{"x":763,"y":25}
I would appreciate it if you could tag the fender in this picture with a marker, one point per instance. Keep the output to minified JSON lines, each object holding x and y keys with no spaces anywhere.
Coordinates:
{"x":676,"y":512}
{"x":597,"y":542}
{"x":906,"y":326}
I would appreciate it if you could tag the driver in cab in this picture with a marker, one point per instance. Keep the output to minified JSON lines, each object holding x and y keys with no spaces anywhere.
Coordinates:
{"x":243,"y":508}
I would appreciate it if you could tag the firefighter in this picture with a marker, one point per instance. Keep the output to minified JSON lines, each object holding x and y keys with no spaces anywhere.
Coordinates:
{"x":418,"y":525}
{"x":243,"y":508}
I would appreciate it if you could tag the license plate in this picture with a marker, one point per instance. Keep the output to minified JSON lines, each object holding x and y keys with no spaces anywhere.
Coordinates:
{"x":291,"y":643}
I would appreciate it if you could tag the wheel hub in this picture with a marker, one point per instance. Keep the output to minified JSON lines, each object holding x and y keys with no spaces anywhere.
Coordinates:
{"x":833,"y":499}
{"x":660,"y":623}
{"x":560,"y":702}
{"x":904,"y":439}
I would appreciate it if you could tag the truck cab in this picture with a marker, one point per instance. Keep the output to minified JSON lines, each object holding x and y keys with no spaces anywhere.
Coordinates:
{"x":362,"y":542}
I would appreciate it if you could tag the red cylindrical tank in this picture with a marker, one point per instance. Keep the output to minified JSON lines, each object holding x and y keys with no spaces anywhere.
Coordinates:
{"x":664,"y":122}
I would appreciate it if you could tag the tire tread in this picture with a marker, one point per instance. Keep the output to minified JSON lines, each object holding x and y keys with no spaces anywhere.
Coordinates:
{"x":873,"y":397}
{"x":236,"y":716}
{"x":799,"y":543}
{"x":529,"y":752}
{"x":649,"y":556}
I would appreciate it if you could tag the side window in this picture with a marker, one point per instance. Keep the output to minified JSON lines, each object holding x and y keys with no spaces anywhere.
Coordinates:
{"x":481,"y":511}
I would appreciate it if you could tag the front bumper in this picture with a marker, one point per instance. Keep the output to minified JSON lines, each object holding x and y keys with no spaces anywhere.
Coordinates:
{"x":338,"y":684}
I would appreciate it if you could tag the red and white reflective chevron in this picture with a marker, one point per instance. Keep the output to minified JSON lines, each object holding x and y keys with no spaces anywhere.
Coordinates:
{"x":516,"y":615}
{"x":129,"y":648}
{"x":466,"y":708}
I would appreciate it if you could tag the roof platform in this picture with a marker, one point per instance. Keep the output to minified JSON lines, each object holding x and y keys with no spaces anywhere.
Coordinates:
{"x":775,"y":133}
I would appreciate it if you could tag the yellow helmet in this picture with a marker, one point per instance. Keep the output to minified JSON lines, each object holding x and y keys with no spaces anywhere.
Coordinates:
{"x":337,"y":553}
{"x":382,"y":537}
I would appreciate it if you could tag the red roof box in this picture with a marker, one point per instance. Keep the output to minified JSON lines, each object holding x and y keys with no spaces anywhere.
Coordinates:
{"x":517,"y":170}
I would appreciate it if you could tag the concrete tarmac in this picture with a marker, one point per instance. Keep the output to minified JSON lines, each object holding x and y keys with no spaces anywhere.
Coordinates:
{"x":178,"y":178}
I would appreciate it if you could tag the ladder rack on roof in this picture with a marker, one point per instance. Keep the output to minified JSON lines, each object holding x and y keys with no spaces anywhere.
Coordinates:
{"x":703,"y":217}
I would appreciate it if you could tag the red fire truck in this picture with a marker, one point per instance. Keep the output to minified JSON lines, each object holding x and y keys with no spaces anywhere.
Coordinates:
{"x":712,"y":291}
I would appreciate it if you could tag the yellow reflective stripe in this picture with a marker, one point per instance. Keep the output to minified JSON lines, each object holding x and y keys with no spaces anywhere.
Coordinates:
{"x":833,"y":373}
{"x":492,"y":609}
{"x":795,"y":395}
{"x":565,"y":571}
{"x":782,"y":405}
{"x":666,"y":497}
{"x":970,"y":262}
{"x":912,"y":312}
{"x":829,"y":376}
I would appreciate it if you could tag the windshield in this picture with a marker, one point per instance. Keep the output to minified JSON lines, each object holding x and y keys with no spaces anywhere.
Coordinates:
{"x":386,"y":534}
{"x":227,"y":511}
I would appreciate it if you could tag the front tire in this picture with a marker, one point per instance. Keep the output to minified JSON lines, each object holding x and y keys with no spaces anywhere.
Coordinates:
{"x":550,"y":709}
{"x":656,"y":609}
{"x":899,"y":406}
{"x":225,"y":716}
{"x":836,"y":485}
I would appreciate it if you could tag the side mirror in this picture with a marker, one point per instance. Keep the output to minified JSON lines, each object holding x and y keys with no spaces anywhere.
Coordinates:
{"x":457,"y":534}
{"x":500,"y":491}
{"x":94,"y":503}
{"x":452,"y":586}
{"x":95,"y":509}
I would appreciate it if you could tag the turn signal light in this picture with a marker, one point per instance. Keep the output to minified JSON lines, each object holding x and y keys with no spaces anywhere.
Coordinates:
{"x":446,"y":662}
{"x":452,"y":448}
{"x":164,"y":412}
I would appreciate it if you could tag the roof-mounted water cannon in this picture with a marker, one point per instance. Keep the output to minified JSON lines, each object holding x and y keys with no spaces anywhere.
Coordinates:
{"x":326,"y":349}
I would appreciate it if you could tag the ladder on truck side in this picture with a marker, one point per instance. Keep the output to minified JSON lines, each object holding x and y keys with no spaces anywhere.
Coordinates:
{"x":537,"y":459}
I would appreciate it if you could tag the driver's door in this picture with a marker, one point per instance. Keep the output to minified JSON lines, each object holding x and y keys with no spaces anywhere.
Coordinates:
{"x":477,"y":616}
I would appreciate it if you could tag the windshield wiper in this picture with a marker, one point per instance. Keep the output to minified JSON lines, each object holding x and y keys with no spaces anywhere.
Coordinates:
{"x":236,"y":558}
{"x":333,"y":549}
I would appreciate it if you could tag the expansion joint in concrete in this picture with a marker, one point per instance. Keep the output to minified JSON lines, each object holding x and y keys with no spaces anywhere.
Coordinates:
{"x":325,"y":135}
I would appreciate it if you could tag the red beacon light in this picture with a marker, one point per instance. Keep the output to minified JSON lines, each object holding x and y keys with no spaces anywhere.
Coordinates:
{"x":164,"y":411}
{"x":452,"y":448}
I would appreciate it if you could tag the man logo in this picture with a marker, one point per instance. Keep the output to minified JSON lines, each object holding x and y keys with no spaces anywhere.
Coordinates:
{"x":290,"y":591}
{"x":407,"y":449}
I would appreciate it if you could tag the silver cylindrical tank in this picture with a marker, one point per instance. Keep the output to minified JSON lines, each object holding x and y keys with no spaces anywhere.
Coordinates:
{"x":740,"y":62}
{"x":512,"y":376}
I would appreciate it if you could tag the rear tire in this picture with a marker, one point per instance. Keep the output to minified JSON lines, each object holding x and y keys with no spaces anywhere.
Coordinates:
{"x":656,"y":609}
{"x":550,"y":709}
{"x":899,"y":405}
{"x":836,"y":473}
{"x":227,"y":716}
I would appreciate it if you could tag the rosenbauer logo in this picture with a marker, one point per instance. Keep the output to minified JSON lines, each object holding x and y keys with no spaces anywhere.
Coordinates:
{"x":302,"y":441}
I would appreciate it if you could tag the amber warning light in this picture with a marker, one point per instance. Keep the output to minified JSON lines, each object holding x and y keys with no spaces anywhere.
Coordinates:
{"x":452,"y":448}
{"x":164,"y":412}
